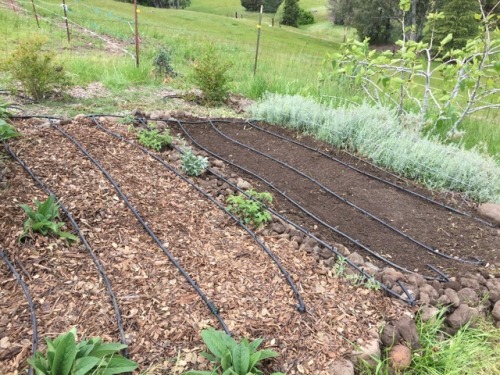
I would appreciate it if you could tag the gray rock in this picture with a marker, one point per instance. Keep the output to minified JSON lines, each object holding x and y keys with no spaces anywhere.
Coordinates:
{"x":461,"y":316}
{"x":416,"y":279}
{"x":342,"y":250}
{"x":3,"y":185}
{"x":323,"y":252}
{"x":407,"y":329}
{"x":469,"y":283}
{"x":370,"y":352}
{"x":493,"y":286}
{"x":430,"y":291}
{"x":156,"y":115}
{"x":424,"y":298}
{"x":390,"y":276}
{"x":242,"y":184}
{"x":370,"y":268}
{"x":399,"y":358}
{"x":428,"y":312}
{"x":218,"y":163}
{"x":478,"y":277}
{"x":468,"y":296}
{"x":452,"y":296}
{"x":455,"y":285}
{"x":356,"y":259}
{"x":390,"y":336}
{"x":443,"y":300}
{"x":496,"y":311}
{"x":342,"y":367}
{"x":278,"y":228}
{"x":491,"y":212}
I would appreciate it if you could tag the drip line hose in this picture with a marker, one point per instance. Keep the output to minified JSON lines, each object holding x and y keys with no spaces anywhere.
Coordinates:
{"x":203,"y":296}
{"x":82,"y":237}
{"x":296,"y":204}
{"x":421,"y":196}
{"x":31,"y":304}
{"x":316,"y":182}
{"x":301,"y":306}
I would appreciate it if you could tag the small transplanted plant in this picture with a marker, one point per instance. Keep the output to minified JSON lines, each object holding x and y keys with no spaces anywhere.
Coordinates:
{"x":251,"y":211}
{"x":43,"y":220}
{"x":153,"y":139}
{"x":232,"y":358}
{"x":64,"y":356}
{"x":193,"y":165}
{"x":7,"y":131}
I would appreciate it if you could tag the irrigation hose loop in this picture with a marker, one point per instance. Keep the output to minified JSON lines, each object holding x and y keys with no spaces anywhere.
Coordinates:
{"x":31,"y":304}
{"x":443,"y":276}
{"x":296,"y":204}
{"x":301,"y":306}
{"x":347,"y":165}
{"x":143,"y":223}
{"x":344,"y":200}
{"x":86,"y":244}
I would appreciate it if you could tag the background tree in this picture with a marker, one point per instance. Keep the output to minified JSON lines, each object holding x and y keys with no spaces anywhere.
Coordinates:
{"x":251,"y":5}
{"x":291,"y":12}
{"x":459,"y":20}
{"x":270,"y":6}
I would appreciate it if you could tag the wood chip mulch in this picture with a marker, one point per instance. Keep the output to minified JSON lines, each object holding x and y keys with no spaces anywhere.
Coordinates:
{"x":162,"y":314}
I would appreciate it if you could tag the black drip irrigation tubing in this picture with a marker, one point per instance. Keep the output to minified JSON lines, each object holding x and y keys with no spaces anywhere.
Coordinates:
{"x":408,"y":191}
{"x":31,"y":304}
{"x":299,"y":206}
{"x":203,"y":296}
{"x":370,"y":215}
{"x":301,"y":306}
{"x":82,"y":237}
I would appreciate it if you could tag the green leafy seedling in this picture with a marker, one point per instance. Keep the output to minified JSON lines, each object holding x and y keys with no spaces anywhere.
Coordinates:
{"x":42,"y":220}
{"x":64,"y":356}
{"x":251,"y":211}
{"x":193,"y":165}
{"x":7,"y":131}
{"x":231,"y":357}
{"x":155,"y":140}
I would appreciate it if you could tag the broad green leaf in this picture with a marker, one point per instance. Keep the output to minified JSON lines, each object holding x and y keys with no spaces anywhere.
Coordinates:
{"x":65,"y":354}
{"x":225,"y":361}
{"x":267,"y":353}
{"x":241,"y":358}
{"x":106,"y":349}
{"x":447,"y":39}
{"x":214,"y":342}
{"x":84,"y":365}
{"x":254,"y":345}
{"x":209,"y":356}
{"x":230,"y":371}
{"x":118,"y":365}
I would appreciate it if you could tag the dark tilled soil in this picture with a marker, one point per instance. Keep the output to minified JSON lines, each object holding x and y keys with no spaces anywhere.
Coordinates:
{"x":433,"y":226}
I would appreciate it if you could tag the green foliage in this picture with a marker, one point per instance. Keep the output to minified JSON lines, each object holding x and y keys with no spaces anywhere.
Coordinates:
{"x":231,"y":357}
{"x":162,"y":63}
{"x":161,"y":3}
{"x":291,"y":12}
{"x":155,"y":140}
{"x":193,"y":165}
{"x":4,"y":112}
{"x":251,"y":211}
{"x":470,"y":351}
{"x":43,"y":220}
{"x":459,"y":20}
{"x":210,"y":74}
{"x":65,"y":356}
{"x":376,"y":133}
{"x":127,"y":120}
{"x":35,"y":68}
{"x":269,"y":6}
{"x":7,"y":131}
{"x":305,"y":17}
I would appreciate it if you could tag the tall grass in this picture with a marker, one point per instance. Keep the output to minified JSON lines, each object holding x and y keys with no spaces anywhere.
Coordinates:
{"x":376,"y":133}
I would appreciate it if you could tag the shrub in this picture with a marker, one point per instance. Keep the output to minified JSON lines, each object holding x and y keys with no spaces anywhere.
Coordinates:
{"x":305,"y":17}
{"x":376,"y":133}
{"x":210,"y":75}
{"x":65,"y":356}
{"x":231,"y":357}
{"x":35,"y":69}
{"x":251,"y":211}
{"x":42,"y":220}
{"x":193,"y":165}
{"x":155,"y":140}
{"x":162,"y":63}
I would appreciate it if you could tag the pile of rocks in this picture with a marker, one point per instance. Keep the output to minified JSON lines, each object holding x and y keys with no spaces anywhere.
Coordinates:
{"x":4,"y":175}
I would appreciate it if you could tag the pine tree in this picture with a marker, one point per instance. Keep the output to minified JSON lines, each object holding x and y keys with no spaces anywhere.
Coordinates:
{"x":458,"y":20}
{"x":291,"y":13}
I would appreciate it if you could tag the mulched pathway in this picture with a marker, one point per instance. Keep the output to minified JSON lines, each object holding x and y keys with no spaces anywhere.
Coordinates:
{"x":438,"y":228}
{"x":162,"y":315}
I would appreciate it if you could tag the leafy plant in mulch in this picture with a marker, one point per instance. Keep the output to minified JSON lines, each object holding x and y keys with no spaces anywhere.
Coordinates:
{"x":7,"y":131}
{"x":42,"y":220}
{"x":251,"y":211}
{"x":193,"y":165}
{"x":232,"y":358}
{"x":64,"y":356}
{"x":153,"y":139}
